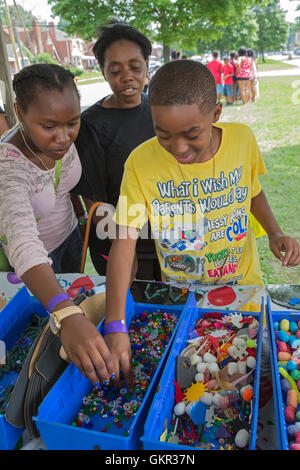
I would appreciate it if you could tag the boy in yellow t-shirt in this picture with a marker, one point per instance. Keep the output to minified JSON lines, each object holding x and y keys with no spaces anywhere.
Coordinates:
{"x":196,"y":182}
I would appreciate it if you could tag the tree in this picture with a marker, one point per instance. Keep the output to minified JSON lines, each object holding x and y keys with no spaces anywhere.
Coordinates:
{"x":272,"y":27}
{"x":233,"y":36}
{"x":164,"y":21}
{"x":26,"y":15}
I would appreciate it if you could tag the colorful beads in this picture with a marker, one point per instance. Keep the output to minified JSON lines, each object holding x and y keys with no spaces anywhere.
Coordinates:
{"x":17,"y":354}
{"x":149,"y":335}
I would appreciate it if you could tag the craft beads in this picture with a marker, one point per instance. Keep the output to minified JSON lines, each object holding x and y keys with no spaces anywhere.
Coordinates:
{"x":16,"y":356}
{"x":115,"y":408}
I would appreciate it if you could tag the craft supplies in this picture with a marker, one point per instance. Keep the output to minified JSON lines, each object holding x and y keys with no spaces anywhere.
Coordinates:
{"x":112,"y":410}
{"x":217,"y":408}
{"x":16,"y":356}
{"x":286,"y":359}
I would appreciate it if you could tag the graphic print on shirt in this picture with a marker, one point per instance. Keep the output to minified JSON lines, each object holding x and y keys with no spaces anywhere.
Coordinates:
{"x":200,"y":227}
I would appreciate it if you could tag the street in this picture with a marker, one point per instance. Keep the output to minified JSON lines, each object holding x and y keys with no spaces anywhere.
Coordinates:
{"x":95,"y":91}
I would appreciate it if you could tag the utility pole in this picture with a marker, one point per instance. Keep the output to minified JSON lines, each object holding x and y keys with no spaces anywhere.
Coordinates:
{"x":6,"y":83}
{"x":11,"y":34}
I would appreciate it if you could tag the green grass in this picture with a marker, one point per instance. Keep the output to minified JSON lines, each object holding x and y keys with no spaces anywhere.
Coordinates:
{"x":274,"y":118}
{"x":271,"y":64}
{"x":90,"y":77}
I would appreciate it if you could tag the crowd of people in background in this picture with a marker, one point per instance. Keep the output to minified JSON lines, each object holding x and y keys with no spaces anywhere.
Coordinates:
{"x":235,"y":76}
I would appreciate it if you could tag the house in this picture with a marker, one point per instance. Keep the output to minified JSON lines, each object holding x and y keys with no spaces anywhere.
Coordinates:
{"x":65,"y":49}
{"x":12,"y":60}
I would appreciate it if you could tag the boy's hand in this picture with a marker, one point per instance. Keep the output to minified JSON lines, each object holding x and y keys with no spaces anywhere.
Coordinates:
{"x":119,"y":345}
{"x":280,"y":244}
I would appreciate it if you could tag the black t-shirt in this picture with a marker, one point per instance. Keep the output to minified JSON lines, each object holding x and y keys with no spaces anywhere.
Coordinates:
{"x":106,"y":138}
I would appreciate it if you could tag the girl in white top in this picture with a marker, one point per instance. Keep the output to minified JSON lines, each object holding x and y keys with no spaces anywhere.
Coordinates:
{"x":37,"y":221}
{"x":253,"y":74}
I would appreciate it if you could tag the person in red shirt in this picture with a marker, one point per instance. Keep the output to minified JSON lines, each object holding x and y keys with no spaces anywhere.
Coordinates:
{"x":215,"y":66}
{"x":228,"y":73}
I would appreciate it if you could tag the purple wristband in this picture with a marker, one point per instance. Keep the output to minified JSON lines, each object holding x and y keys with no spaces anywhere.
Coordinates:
{"x":56,"y":300}
{"x":118,"y":326}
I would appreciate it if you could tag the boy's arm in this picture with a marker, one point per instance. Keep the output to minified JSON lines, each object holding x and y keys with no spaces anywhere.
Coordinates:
{"x":118,"y":279}
{"x":277,"y":240}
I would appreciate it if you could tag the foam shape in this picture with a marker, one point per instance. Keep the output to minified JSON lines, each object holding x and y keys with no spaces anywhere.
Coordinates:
{"x":221,"y":296}
{"x":198,"y":412}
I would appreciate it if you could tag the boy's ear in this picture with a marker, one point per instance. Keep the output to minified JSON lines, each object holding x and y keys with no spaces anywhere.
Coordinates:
{"x":217,"y":111}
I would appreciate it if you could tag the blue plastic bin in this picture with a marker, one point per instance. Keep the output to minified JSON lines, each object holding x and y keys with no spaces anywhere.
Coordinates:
{"x":161,"y":411}
{"x":64,"y":400}
{"x":13,"y":320}
{"x":279,"y":397}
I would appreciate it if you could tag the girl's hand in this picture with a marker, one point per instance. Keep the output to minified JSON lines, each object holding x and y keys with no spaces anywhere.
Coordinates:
{"x":86,"y":348}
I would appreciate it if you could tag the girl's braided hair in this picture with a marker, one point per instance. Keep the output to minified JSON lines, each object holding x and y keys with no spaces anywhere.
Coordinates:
{"x":40,"y":76}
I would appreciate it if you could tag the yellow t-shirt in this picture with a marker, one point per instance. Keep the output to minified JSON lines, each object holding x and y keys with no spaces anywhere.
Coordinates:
{"x":199,"y":213}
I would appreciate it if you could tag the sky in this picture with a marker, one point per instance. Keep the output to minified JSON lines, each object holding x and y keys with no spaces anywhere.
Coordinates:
{"x":42,"y":10}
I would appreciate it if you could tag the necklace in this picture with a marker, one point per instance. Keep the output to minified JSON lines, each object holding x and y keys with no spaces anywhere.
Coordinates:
{"x":52,"y":177}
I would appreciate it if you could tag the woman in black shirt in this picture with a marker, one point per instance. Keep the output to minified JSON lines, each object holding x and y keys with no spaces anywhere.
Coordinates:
{"x":111,"y":129}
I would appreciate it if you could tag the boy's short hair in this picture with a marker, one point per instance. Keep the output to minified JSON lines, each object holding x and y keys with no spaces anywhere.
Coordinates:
{"x":225,"y":58}
{"x":183,"y":82}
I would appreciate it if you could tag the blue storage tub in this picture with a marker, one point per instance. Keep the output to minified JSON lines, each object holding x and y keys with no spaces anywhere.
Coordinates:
{"x":279,"y":397}
{"x":13,"y":320}
{"x":161,"y":411}
{"x":64,"y":400}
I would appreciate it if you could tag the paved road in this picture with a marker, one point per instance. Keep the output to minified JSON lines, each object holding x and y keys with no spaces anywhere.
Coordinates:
{"x":95,"y":91}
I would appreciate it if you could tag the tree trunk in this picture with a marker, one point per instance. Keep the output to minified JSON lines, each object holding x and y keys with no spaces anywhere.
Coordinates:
{"x":6,"y":82}
{"x":166,"y":53}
